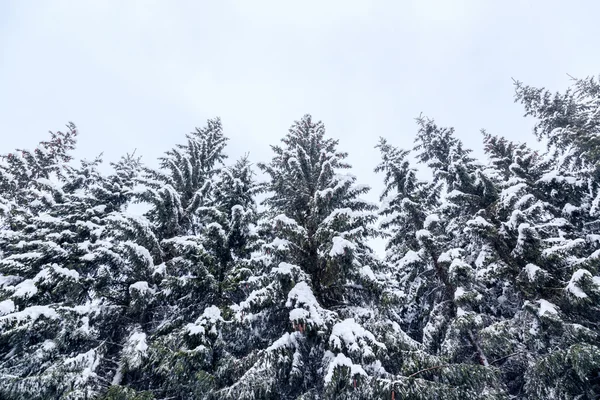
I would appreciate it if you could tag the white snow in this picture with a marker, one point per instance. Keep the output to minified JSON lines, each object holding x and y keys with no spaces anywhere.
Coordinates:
{"x":280,"y":244}
{"x":479,"y":222}
{"x":546,"y":307}
{"x":8,"y":280}
{"x":410,"y":257}
{"x":339,"y":361}
{"x":554,"y":176}
{"x":25,"y":289}
{"x":69,"y":273}
{"x":368,"y":272}
{"x":430,"y":219}
{"x":47,"y":218}
{"x":6,"y":307}
{"x":141,"y":252}
{"x":93,"y":306}
{"x":159,"y":269}
{"x":32,"y":313}
{"x":569,"y":209}
{"x":449,"y":255}
{"x":285,"y":341}
{"x":208,"y":319}
{"x":458,"y":293}
{"x":89,"y":361}
{"x":100,"y":208}
{"x":135,"y":348}
{"x":142,"y":287}
{"x":423,"y":234}
{"x":212,"y":313}
{"x":284,"y":219}
{"x":306,"y":306}
{"x":284,"y":268}
{"x":22,"y":256}
{"x":353,"y":336}
{"x":340,"y":245}
{"x":85,"y":325}
{"x":573,"y":286}
{"x":298,"y":314}
{"x":531,"y":270}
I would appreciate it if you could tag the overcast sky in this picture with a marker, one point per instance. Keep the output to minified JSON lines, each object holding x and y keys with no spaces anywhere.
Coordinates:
{"x":141,"y":74}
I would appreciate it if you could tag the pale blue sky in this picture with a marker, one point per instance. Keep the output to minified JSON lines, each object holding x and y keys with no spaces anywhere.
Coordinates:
{"x":140,"y":74}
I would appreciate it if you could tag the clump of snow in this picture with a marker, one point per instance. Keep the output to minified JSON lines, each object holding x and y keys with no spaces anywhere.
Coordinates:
{"x":8,"y":280}
{"x":87,"y":363}
{"x":25,"y":289}
{"x":573,"y":286}
{"x":141,"y":252}
{"x":66,"y":272}
{"x":279,"y":244}
{"x":458,"y":266}
{"x":284,"y":219}
{"x":458,"y":293}
{"x":47,"y":218}
{"x":531,"y":270}
{"x":195,"y":329}
{"x":286,"y":341}
{"x":306,"y":307}
{"x":449,"y":255}
{"x":340,"y":245}
{"x":142,"y":287}
{"x":213,"y":314}
{"x":553,"y":176}
{"x":6,"y":307}
{"x":159,"y":269}
{"x":410,"y":257}
{"x":135,"y":349}
{"x":479,"y":222}
{"x":93,"y":306}
{"x":284,"y":268}
{"x":368,"y":272}
{"x":30,"y":313}
{"x":511,"y":192}
{"x":341,"y":360}
{"x":422,"y":234}
{"x":348,"y":333}
{"x":569,"y":209}
{"x":207,"y":321}
{"x":546,"y":307}
{"x":430,"y":219}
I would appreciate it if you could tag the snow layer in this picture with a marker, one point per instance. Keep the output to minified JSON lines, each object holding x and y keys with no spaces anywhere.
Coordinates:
{"x":341,"y":360}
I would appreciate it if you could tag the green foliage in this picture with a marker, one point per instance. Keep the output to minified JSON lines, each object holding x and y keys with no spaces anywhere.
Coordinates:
{"x":489,"y":288}
{"x":125,"y":393}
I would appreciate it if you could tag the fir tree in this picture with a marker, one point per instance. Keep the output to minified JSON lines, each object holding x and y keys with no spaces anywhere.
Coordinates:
{"x":66,"y":313}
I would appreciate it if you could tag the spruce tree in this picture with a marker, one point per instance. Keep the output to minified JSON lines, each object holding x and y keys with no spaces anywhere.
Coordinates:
{"x":68,"y":268}
{"x":305,"y":334}
{"x":435,"y":261}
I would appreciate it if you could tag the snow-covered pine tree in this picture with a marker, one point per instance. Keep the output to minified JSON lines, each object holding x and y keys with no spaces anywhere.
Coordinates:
{"x":181,"y":185}
{"x":204,"y":215}
{"x":179,"y":195}
{"x":65,"y":315}
{"x":561,"y":282}
{"x":232,"y":236}
{"x":426,"y":256}
{"x":311,"y":291}
{"x":23,"y":171}
{"x":405,"y":205}
{"x":314,"y":321}
{"x":463,"y":215}
{"x":202,"y":361}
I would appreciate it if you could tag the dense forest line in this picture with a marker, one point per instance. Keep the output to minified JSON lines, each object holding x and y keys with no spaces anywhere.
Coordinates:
{"x":489,"y":288}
